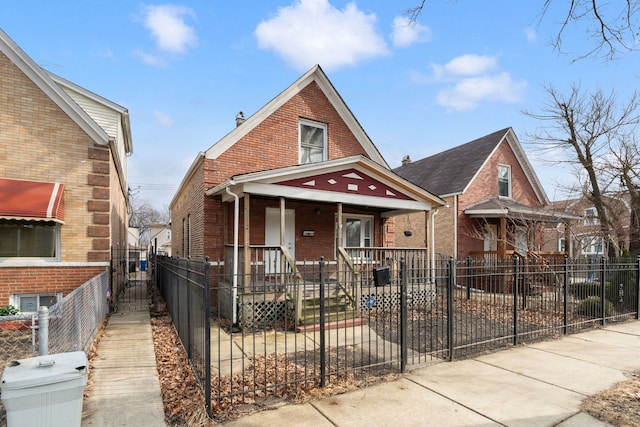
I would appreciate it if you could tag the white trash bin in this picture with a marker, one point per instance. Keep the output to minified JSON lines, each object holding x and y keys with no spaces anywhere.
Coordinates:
{"x":45,"y":390}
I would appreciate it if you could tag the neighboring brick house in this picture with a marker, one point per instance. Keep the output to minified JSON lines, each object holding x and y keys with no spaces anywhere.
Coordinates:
{"x":63,"y":188}
{"x":585,"y":235}
{"x":300,"y":176}
{"x":495,"y":202}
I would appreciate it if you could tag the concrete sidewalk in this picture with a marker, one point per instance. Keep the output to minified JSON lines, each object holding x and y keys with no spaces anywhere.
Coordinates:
{"x":540,"y":384}
{"x":124,"y":388}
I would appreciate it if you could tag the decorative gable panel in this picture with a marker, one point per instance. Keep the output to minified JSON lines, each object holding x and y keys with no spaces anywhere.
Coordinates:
{"x":347,"y":181}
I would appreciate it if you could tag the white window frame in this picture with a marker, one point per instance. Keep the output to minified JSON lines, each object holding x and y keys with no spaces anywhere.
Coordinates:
{"x":56,"y":257}
{"x":310,"y":123}
{"x":591,"y":217}
{"x":15,"y":299}
{"x":363,"y":254}
{"x":509,"y":186}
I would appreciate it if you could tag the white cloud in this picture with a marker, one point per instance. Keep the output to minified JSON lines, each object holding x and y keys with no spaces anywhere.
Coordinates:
{"x":163,"y":119}
{"x":405,"y":33}
{"x":469,"y":65}
{"x":149,"y":59}
{"x":310,"y":32}
{"x":467,"y":93}
{"x":531,"y":35}
{"x":167,"y":25}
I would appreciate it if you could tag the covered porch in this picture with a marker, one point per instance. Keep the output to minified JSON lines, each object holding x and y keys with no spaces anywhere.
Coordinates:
{"x":508,"y":228}
{"x":281,"y":225}
{"x":513,"y":240}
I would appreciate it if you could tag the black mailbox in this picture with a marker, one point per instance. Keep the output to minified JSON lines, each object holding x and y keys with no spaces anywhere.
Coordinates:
{"x":381,"y":276}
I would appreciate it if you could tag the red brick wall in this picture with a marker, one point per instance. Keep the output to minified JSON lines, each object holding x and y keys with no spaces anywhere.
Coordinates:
{"x":43,"y":279}
{"x":274,"y":142}
{"x":271,"y":144}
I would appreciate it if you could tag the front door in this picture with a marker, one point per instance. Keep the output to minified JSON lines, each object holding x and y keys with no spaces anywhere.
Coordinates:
{"x":272,"y":237}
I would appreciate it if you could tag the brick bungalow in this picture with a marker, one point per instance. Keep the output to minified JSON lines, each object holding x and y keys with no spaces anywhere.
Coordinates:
{"x":298,"y":180}
{"x":496,"y":205}
{"x":63,"y":187}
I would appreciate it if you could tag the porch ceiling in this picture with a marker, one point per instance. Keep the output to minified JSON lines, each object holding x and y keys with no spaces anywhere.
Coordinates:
{"x":353,"y":180}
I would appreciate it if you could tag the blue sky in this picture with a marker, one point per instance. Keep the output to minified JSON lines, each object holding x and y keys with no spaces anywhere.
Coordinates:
{"x":185,"y":69}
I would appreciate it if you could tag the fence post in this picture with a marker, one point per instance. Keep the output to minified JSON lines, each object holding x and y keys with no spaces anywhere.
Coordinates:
{"x":188,"y":311}
{"x":403,"y":315}
{"x":468,"y":278}
{"x":451,"y":283}
{"x":516,"y":274}
{"x":565,"y":314}
{"x":638,"y":288}
{"x":323,"y":368}
{"x":603,"y":264}
{"x":43,"y":331}
{"x":207,"y":336}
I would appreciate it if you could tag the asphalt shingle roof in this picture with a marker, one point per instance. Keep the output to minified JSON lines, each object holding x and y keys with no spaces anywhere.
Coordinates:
{"x":451,"y":171}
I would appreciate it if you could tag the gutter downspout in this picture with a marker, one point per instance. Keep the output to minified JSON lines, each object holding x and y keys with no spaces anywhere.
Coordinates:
{"x":433,"y":248}
{"x":236,"y":218}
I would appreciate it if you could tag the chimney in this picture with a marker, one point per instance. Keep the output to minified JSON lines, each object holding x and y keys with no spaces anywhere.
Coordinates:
{"x":240,"y":118}
{"x":406,"y":160}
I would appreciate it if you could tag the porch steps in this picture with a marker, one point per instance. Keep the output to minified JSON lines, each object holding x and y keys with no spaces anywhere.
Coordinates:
{"x":336,"y":305}
{"x":346,"y":323}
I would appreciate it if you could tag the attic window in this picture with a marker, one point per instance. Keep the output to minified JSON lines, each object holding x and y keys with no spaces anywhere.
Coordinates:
{"x":504,"y":181}
{"x":313,"y":142}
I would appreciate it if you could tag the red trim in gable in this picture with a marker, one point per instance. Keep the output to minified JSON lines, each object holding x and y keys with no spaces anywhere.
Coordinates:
{"x":349,"y":181}
{"x":31,"y":200}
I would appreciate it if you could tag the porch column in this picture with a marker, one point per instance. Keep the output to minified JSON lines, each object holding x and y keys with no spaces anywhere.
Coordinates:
{"x":339,"y":227}
{"x":502,"y":240}
{"x":283,"y":209}
{"x":247,"y":238}
{"x":568,"y":246}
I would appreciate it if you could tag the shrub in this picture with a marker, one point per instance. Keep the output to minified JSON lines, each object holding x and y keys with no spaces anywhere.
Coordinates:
{"x":622,"y":290}
{"x":592,"y":307}
{"x":9,"y":311}
{"x":584,"y":289}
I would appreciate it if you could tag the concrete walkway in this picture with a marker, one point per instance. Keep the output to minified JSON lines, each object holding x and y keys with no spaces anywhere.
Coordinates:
{"x":541,"y":384}
{"x":124,"y":389}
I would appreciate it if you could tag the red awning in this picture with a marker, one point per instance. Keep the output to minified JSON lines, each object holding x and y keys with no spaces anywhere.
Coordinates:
{"x":31,"y":200}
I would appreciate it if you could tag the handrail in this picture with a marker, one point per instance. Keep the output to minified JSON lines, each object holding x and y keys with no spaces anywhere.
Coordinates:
{"x":353,"y":296}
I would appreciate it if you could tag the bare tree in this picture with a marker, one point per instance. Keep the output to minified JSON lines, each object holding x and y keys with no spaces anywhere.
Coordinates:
{"x":143,"y":215}
{"x":582,"y":128}
{"x":625,"y":164}
{"x":611,"y":25}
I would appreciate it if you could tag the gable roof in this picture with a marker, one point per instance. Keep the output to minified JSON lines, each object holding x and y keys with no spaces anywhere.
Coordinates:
{"x":452,"y":171}
{"x":318,"y":76}
{"x":495,"y":207}
{"x":42,"y":79}
{"x":121,"y":111}
{"x":353,"y":180}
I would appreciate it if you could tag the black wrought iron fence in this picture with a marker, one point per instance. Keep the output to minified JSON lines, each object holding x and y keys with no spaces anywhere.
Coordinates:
{"x":185,"y":287}
{"x":278,"y":331}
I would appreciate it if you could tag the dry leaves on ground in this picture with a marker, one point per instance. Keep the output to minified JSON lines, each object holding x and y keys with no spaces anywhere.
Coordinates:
{"x":182,"y":395}
{"x":618,"y":406}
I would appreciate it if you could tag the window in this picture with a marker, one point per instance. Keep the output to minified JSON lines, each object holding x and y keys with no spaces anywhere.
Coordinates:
{"x":358,"y":231}
{"x":29,"y":239}
{"x":29,"y":303}
{"x":561,"y":245}
{"x":313,"y":142}
{"x":591,"y":217}
{"x":504,"y":181}
{"x":168,"y":235}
